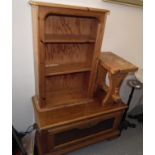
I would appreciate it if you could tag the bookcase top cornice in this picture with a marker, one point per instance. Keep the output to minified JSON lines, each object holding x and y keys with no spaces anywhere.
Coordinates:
{"x":38,"y":3}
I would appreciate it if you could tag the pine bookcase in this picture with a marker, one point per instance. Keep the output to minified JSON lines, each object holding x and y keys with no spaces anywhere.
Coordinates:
{"x":73,"y":105}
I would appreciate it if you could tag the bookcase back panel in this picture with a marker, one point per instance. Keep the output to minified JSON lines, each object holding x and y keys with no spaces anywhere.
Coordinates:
{"x":74,"y":81}
{"x":63,"y":25}
{"x":57,"y":54}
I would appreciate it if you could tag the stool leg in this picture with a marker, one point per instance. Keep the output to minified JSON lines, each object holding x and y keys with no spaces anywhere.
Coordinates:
{"x":112,"y":94}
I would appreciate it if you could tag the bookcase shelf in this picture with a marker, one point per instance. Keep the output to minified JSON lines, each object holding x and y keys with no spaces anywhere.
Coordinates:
{"x":65,"y":69}
{"x":68,"y":38}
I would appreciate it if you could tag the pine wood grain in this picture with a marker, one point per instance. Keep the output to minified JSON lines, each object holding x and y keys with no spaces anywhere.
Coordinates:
{"x":68,"y":38}
{"x":67,"y":68}
{"x":116,"y":64}
{"x":66,"y":6}
{"x":57,"y":117}
{"x":60,"y":53}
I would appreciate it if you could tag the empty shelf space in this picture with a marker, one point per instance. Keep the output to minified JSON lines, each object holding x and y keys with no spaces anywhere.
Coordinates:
{"x":65,"y":69}
{"x":65,"y":98}
{"x":68,"y":38}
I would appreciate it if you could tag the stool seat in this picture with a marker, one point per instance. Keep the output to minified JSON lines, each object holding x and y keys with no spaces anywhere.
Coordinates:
{"x":116,"y":64}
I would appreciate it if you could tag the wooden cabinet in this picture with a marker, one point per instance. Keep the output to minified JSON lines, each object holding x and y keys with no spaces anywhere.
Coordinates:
{"x":73,"y":105}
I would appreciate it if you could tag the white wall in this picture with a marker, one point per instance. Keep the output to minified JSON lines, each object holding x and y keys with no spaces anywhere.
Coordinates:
{"x":123,"y":35}
{"x":23,"y":72}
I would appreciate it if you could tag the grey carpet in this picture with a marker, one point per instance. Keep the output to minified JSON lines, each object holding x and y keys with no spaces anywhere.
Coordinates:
{"x":129,"y":143}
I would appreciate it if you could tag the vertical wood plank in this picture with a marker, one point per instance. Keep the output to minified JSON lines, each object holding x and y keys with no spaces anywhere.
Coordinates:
{"x":100,"y":33}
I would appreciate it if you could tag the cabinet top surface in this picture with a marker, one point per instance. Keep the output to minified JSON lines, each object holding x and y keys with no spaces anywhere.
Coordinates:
{"x":39,"y":3}
{"x":58,"y":117}
{"x":115,"y":64}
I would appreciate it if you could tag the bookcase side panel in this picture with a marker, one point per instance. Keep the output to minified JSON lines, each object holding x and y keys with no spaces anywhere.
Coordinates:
{"x":34,"y":10}
{"x":99,"y":38}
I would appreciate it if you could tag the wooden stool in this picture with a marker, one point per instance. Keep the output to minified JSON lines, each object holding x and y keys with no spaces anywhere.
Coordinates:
{"x":117,"y":69}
